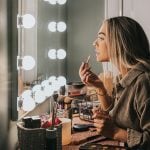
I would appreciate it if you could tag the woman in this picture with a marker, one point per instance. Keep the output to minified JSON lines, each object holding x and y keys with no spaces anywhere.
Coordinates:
{"x":122,"y":41}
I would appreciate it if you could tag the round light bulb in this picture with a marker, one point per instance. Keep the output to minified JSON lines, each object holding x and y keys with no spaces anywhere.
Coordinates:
{"x":28,"y":104}
{"x":44,"y":83}
{"x":28,"y":21}
{"x":61,"y":53}
{"x":52,"y":53}
{"x":52,"y":2}
{"x":61,"y":26}
{"x":28,"y":62}
{"x":61,"y":80}
{"x":36,"y":88}
{"x":48,"y":91}
{"x":52,"y":78}
{"x":61,"y":2}
{"x":56,"y":85}
{"x":26,"y":93}
{"x":52,"y":26}
{"x":39,"y":96}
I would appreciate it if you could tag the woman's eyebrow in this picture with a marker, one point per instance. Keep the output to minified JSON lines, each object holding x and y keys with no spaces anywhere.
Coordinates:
{"x":101,"y":33}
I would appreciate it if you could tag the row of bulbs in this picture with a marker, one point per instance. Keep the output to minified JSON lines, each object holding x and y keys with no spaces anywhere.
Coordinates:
{"x":54,"y":2}
{"x":40,"y":92}
{"x":28,"y":21}
{"x":56,"y":54}
{"x":28,"y":62}
{"x":54,"y":26}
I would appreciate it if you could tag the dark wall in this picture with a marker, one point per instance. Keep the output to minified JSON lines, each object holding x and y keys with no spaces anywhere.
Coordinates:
{"x":84,"y":19}
{"x":50,"y":40}
{"x":12,"y":33}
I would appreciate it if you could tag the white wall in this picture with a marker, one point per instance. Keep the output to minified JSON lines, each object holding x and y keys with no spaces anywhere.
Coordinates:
{"x":138,"y":10}
{"x":113,"y":8}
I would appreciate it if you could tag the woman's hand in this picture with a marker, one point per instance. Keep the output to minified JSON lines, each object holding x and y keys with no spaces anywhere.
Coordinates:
{"x":88,"y":77}
{"x":104,"y":124}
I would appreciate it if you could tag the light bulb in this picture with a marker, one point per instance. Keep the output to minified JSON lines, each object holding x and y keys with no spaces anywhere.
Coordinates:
{"x":61,"y":53}
{"x":26,"y":93}
{"x":52,"y":78}
{"x":53,"y":2}
{"x":28,"y":104}
{"x":61,"y":2}
{"x":52,"y":53}
{"x":52,"y":26}
{"x":44,"y":83}
{"x":39,"y":96}
{"x":61,"y":26}
{"x":28,"y":62}
{"x":28,"y":21}
{"x":48,"y":91}
{"x":36,"y":88}
{"x":61,"y":80}
{"x":56,"y":85}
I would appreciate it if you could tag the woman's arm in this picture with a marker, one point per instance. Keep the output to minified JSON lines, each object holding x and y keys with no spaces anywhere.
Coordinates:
{"x":106,"y":101}
{"x":91,"y":79}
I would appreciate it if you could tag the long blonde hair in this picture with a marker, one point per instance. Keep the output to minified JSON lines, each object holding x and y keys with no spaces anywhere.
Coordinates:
{"x":127,"y":42}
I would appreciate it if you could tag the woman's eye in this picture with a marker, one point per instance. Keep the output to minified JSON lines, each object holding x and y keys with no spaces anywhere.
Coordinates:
{"x":101,"y":38}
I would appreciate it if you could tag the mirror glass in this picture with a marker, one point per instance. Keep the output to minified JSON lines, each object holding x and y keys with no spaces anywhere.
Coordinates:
{"x":55,"y":36}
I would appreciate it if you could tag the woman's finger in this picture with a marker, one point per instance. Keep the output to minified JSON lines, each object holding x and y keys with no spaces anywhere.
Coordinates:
{"x":84,"y":72}
{"x":81,"y":69}
{"x":101,"y":115}
{"x":99,"y":121}
{"x":99,"y":124}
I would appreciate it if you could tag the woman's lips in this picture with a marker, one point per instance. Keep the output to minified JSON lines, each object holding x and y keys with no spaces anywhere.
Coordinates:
{"x":97,"y":53}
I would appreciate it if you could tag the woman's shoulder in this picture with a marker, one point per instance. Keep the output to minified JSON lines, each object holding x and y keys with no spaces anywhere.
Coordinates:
{"x":143,"y":80}
{"x":144,"y":76}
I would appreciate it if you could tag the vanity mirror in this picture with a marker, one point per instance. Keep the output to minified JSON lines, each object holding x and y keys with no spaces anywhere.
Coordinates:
{"x":54,"y":37}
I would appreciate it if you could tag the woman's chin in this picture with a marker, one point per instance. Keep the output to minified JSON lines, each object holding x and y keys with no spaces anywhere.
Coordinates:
{"x":99,"y":59}
{"x":102,"y":60}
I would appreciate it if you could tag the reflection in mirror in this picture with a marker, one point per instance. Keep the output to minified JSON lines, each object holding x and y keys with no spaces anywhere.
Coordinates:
{"x":54,"y":38}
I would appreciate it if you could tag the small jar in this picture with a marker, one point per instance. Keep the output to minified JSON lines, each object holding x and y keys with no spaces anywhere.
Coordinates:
{"x":51,"y":139}
{"x":36,"y":122}
{"x":27,"y":122}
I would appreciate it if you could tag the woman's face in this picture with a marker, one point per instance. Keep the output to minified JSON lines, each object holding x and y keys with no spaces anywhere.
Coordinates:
{"x":100,"y":45}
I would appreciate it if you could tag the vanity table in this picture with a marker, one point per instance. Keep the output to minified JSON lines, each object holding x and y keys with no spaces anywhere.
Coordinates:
{"x":90,"y":136}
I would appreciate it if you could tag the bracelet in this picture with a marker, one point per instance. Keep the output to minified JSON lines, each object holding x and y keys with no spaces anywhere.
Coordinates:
{"x":109,"y":108}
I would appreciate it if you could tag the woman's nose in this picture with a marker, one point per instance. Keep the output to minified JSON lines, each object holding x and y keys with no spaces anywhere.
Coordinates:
{"x":94,"y":43}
